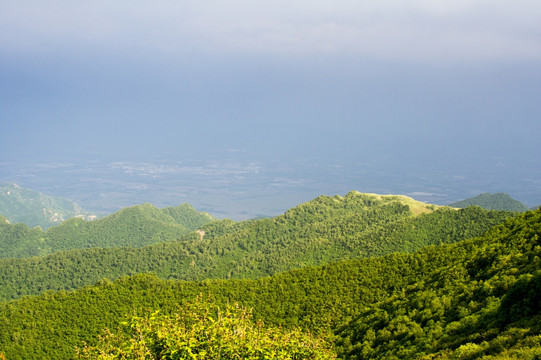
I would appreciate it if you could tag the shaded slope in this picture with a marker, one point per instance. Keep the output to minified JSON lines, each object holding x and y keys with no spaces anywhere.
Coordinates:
{"x":20,"y":239}
{"x":483,"y":302}
{"x":315,"y":233}
{"x":187,"y":216}
{"x":499,"y":201}
{"x":464,"y":300}
{"x":135,"y":226}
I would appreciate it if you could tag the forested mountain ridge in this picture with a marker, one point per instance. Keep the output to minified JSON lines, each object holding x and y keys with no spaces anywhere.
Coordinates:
{"x":478,"y":298}
{"x":314,"y":233}
{"x":20,"y":205}
{"x":499,"y":201}
{"x":484,"y":303}
{"x":134,"y":226}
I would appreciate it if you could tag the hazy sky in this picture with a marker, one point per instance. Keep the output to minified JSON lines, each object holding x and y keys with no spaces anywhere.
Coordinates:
{"x":337,"y":78}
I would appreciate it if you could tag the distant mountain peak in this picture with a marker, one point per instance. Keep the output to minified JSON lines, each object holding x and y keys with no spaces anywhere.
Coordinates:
{"x":497,"y":201}
{"x":20,"y":205}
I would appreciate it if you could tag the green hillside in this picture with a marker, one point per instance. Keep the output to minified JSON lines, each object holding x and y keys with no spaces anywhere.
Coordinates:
{"x":20,"y":239}
{"x":478,"y":298}
{"x":33,"y":208}
{"x":315,"y":233}
{"x":484,"y":302}
{"x":135,"y":226}
{"x":499,"y":201}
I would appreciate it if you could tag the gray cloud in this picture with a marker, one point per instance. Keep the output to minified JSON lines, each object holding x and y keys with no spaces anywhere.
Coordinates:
{"x":418,"y":30}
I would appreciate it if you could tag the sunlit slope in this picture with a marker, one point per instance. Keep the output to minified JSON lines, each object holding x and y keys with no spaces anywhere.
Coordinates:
{"x":479,"y":297}
{"x":320,"y":231}
{"x":483,"y":301}
{"x":135,"y":226}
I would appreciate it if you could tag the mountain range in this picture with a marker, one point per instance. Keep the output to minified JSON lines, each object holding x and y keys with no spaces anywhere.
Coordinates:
{"x":145,"y":239}
{"x":20,"y":205}
{"x":135,"y":226}
{"x":473,"y":299}
{"x":374,"y":276}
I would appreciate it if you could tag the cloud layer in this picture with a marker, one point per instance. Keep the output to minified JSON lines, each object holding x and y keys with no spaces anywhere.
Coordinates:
{"x":413,"y":31}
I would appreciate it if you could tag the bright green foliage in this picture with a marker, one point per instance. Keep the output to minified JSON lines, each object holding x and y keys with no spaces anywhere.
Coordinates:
{"x":135,"y":226}
{"x":486,"y":305}
{"x":202,"y":330}
{"x":478,"y":298}
{"x":321,"y":231}
{"x":499,"y":201}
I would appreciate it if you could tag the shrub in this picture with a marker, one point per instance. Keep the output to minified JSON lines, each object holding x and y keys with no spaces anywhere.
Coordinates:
{"x":201,"y":330}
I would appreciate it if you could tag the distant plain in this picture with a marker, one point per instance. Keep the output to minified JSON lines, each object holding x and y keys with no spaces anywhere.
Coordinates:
{"x":240,"y":185}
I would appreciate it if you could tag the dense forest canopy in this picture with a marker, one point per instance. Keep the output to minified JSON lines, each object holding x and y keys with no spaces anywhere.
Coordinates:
{"x":315,"y":233}
{"x":473,"y":298}
{"x":134,"y":226}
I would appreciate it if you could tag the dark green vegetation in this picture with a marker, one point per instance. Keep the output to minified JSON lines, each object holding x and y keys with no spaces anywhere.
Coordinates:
{"x":315,"y":233}
{"x":135,"y":226}
{"x":33,"y":208}
{"x":499,"y":201}
{"x":478,"y":298}
{"x":485,"y":300}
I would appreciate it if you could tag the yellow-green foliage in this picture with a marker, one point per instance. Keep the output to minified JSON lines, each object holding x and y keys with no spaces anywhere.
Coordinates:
{"x":416,"y":207}
{"x":202,"y":330}
{"x":476,"y":299}
{"x":323,"y":230}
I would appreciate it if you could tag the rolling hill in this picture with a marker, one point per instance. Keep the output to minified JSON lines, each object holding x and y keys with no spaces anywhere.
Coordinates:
{"x":134,"y":227}
{"x":477,"y":298}
{"x":315,"y":233}
{"x":499,"y":201}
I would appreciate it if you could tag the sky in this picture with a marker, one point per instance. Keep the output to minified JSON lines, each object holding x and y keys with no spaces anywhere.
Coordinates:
{"x":387,"y":79}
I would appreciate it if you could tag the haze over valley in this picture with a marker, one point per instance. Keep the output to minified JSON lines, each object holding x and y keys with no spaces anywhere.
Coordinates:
{"x":246,"y":111}
{"x":269,"y":179}
{"x":240,"y":185}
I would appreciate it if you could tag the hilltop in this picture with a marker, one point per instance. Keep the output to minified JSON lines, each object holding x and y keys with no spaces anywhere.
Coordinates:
{"x":134,"y":227}
{"x":325,"y":229}
{"x":499,"y":201}
{"x":477,"y":298}
{"x":20,"y":205}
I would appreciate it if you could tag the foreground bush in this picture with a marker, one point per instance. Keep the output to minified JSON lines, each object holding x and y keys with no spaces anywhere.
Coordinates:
{"x":200,"y":331}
